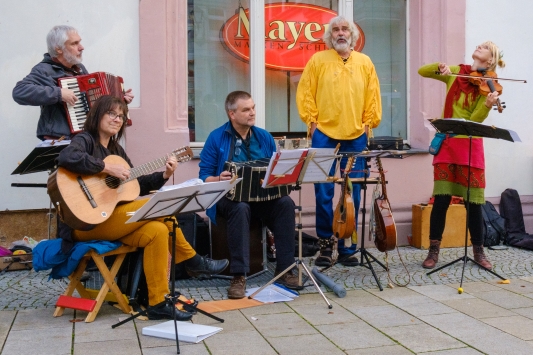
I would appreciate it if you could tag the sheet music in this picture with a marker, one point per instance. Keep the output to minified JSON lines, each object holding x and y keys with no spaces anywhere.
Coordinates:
{"x":190,"y":182}
{"x":286,"y":163}
{"x":319,"y":167}
{"x":48,"y":143}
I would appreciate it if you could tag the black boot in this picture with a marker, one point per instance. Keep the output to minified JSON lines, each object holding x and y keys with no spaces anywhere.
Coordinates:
{"x":206,"y":268}
{"x":165,"y":312}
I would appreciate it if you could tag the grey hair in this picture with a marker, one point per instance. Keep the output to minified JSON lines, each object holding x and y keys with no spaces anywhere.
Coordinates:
{"x":57,"y":37}
{"x":354,"y":32}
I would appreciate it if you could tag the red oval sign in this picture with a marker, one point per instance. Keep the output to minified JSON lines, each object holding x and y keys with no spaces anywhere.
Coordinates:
{"x":293,"y":33}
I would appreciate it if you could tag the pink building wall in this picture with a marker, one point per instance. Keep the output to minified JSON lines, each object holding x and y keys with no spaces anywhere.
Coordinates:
{"x":436,"y":33}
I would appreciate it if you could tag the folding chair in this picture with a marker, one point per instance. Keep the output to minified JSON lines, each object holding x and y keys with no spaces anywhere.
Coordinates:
{"x":109,"y":287}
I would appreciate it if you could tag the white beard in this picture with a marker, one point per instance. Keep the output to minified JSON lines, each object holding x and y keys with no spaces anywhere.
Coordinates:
{"x":71,"y":59}
{"x":341,"y":47}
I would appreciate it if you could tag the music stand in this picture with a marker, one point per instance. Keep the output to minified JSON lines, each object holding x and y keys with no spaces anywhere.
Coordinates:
{"x":469,"y":128}
{"x":166,"y":204}
{"x":42,"y":158}
{"x":294,"y":167}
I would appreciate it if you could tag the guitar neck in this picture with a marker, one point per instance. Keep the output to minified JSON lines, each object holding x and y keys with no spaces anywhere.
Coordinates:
{"x":147,"y":168}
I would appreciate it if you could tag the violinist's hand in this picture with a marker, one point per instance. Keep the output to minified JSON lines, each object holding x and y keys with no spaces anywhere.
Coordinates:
{"x":491,"y":99}
{"x":444,"y":69}
{"x":117,"y":170}
{"x":170,"y":166}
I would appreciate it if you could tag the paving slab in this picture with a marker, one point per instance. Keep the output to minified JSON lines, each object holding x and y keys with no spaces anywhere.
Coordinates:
{"x":427,"y":308}
{"x":478,"y":309}
{"x":385,"y":316}
{"x":519,"y":326}
{"x":478,"y":335}
{"x":462,"y":351}
{"x":505,"y":299}
{"x":358,"y":335}
{"x":317,"y":315}
{"x":359,"y":298}
{"x":526,"y":312}
{"x":440,"y":292}
{"x":46,"y":341}
{"x":382,"y":350}
{"x":6,"y":320}
{"x":308,"y":344}
{"x":422,"y":338}
{"x":282,"y":325}
{"x":242,"y":342}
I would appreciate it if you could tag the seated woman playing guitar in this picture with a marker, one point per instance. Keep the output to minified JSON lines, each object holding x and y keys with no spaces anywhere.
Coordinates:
{"x":85,"y":155}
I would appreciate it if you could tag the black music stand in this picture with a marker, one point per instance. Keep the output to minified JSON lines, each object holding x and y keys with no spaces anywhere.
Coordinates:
{"x":294,"y":167}
{"x":469,"y":128}
{"x":166,"y":204}
{"x":42,"y":158}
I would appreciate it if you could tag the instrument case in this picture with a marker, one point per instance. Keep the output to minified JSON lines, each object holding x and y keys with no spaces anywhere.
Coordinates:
{"x":386,"y":143}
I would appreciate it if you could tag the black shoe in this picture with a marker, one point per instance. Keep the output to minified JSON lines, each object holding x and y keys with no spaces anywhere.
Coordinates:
{"x":348,"y":260}
{"x":165,"y":312}
{"x":207,"y":268}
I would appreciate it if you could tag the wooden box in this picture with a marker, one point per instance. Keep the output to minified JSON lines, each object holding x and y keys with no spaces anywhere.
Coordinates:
{"x":16,"y":262}
{"x":454,"y":231}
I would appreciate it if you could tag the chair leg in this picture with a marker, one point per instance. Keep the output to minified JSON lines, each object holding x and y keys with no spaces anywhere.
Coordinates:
{"x":74,"y":284}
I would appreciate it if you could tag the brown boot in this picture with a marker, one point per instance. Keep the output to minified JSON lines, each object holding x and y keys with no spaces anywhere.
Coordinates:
{"x":480,"y":257}
{"x":433,"y":254}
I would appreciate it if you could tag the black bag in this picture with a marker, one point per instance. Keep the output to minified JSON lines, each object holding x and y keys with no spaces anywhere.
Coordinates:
{"x":387,"y":143}
{"x":511,"y":211}
{"x":494,"y":225}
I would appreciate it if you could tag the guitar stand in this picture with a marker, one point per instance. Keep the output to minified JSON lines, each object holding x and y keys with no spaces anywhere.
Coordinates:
{"x":366,"y":257}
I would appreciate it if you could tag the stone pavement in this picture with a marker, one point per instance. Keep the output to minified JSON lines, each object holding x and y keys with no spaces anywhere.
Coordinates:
{"x":428,"y":316}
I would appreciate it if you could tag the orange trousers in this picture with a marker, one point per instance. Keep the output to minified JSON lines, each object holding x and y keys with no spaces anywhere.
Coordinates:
{"x":151,"y":235}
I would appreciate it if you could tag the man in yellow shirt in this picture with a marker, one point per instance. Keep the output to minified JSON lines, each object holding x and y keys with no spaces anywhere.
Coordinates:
{"x":339,"y":99}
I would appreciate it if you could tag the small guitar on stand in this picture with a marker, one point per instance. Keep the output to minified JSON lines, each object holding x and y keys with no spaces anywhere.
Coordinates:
{"x":344,"y":215}
{"x":385,"y":233}
{"x":87,"y":200}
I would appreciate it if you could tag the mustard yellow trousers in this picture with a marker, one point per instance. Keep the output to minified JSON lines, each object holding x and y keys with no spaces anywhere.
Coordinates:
{"x":151,"y":235}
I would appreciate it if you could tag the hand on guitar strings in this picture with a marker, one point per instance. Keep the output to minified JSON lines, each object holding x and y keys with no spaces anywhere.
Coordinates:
{"x":170,"y":166}
{"x":119,"y":171}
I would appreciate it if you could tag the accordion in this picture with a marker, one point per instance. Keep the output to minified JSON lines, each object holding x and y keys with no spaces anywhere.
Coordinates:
{"x":249,"y":189}
{"x":87,"y":89}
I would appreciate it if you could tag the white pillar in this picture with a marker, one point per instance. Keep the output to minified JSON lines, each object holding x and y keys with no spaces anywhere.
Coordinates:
{"x":257,"y":59}
{"x":346,"y":9}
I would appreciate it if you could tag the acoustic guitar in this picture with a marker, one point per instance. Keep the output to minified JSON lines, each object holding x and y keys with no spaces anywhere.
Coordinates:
{"x":385,"y":233}
{"x":84,"y":201}
{"x":344,"y":215}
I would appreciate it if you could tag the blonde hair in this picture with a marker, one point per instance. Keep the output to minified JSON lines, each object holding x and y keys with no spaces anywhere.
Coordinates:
{"x":497,"y":56}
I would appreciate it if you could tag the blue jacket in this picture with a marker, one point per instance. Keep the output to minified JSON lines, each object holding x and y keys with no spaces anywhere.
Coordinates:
{"x":47,"y":254}
{"x":40,"y":88}
{"x":217,"y":148}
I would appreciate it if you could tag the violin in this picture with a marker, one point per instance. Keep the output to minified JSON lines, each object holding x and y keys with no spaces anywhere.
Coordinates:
{"x":487,"y":82}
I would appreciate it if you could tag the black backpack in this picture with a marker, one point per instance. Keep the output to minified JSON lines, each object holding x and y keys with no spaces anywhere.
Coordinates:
{"x":511,"y":211}
{"x":494,"y":225}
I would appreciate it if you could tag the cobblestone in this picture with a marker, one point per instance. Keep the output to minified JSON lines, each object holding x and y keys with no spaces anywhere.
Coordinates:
{"x":29,"y":289}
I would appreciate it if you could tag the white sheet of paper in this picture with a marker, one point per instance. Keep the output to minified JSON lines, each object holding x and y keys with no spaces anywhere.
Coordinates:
{"x":319,"y":167}
{"x":269,"y":294}
{"x":187,"y":332}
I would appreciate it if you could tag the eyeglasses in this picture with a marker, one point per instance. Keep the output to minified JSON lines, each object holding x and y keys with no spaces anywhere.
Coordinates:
{"x":113,"y":115}
{"x":238,"y":144}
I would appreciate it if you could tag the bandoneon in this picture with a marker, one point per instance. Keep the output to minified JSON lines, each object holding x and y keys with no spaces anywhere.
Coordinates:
{"x":249,"y":189}
{"x":87,"y":89}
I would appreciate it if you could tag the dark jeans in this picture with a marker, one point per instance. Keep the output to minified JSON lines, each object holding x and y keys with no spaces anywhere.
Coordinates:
{"x":437,"y":220}
{"x":277,"y":215}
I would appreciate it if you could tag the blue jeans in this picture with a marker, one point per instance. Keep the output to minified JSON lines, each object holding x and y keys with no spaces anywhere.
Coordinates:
{"x":324,"y":192}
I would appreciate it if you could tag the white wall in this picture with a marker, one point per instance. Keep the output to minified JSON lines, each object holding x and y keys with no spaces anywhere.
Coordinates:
{"x":110,"y":35}
{"x":509,"y":24}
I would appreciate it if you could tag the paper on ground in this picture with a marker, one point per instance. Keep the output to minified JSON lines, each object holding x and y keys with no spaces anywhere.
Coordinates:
{"x":271,"y":294}
{"x":187,"y":332}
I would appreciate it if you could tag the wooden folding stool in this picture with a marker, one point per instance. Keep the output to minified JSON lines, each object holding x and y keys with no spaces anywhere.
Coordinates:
{"x":86,"y":303}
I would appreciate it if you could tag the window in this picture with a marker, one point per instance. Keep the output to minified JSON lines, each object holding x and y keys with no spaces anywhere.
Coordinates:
{"x":215,"y":69}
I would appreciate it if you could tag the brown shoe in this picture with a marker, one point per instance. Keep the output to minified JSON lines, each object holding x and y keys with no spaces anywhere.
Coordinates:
{"x":237,"y":288}
{"x":480,"y":257}
{"x":433,"y":255}
{"x":290,"y":280}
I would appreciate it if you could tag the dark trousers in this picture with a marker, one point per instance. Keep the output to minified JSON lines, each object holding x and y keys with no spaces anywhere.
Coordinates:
{"x":277,"y":215}
{"x":437,"y":220}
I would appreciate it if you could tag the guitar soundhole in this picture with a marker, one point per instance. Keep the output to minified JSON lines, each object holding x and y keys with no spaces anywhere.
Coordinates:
{"x":112,"y":182}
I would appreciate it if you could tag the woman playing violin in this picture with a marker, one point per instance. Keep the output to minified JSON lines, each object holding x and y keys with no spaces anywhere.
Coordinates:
{"x":450,"y":164}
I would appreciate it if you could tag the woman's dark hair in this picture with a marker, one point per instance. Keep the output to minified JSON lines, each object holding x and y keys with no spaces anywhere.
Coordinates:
{"x":99,"y":108}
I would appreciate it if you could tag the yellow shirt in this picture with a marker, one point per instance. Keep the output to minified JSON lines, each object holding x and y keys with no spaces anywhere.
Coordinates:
{"x":340,"y":97}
